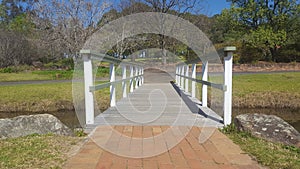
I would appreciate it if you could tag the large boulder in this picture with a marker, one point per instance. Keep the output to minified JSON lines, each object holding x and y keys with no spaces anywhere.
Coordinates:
{"x":269,"y":127}
{"x":32,"y":124}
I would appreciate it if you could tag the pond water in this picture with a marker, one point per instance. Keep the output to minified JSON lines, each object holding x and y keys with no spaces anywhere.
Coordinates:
{"x":69,"y":118}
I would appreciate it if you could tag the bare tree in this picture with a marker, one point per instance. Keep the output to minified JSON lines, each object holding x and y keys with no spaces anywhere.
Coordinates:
{"x":178,"y":7}
{"x":14,"y":49}
{"x":68,"y":23}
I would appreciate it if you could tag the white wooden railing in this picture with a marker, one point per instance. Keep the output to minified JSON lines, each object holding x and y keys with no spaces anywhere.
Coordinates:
{"x":182,"y":79}
{"x":136,"y":75}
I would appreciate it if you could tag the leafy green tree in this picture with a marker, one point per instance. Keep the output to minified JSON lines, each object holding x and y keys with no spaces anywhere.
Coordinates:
{"x":266,"y":40}
{"x":21,"y":23}
{"x":262,"y":24}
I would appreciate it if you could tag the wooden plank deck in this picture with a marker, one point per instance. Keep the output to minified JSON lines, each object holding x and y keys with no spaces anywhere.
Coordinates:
{"x":155,"y":104}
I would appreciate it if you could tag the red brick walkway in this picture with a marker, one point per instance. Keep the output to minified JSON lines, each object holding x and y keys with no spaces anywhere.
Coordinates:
{"x":218,"y":152}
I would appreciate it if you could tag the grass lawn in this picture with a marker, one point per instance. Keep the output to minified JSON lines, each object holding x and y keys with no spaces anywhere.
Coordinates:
{"x":278,"y":90}
{"x":272,"y":155}
{"x":42,"y":97}
{"x":49,"y":75}
{"x":274,"y":90}
{"x":36,"y":151}
{"x":37,"y":75}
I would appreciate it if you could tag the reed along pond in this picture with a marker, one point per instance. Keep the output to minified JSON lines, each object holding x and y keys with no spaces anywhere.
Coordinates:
{"x":69,"y":118}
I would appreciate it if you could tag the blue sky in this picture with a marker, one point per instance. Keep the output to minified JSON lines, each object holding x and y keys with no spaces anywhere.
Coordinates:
{"x":213,"y":7}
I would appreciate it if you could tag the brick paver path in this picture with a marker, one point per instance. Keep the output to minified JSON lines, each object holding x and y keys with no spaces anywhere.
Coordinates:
{"x":218,"y":152}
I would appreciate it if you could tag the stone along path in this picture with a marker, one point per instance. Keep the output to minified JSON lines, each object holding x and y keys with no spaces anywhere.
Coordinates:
{"x":158,"y":127}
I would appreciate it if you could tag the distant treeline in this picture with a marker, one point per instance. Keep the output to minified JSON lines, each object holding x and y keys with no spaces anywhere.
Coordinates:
{"x":47,"y":31}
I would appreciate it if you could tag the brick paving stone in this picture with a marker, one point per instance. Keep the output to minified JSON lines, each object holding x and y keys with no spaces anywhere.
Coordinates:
{"x":218,"y":152}
{"x":204,"y":156}
{"x":147,"y":131}
{"x":194,"y":163}
{"x":137,"y":131}
{"x":227,"y":166}
{"x":134,"y":162}
{"x":240,"y":159}
{"x":166,"y":166}
{"x":164,"y":158}
{"x":156,"y":130}
{"x":150,"y":164}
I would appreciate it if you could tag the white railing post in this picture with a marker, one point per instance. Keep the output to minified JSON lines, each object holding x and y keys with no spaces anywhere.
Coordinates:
{"x":140,"y":78}
{"x":112,"y":86}
{"x":124,"y":83}
{"x":136,"y":78}
{"x":131,"y":79}
{"x":89,"y":96}
{"x":204,"y":87}
{"x":182,"y":78}
{"x":228,"y":84}
{"x":187,"y":80}
{"x":193,"y":82}
{"x":176,"y":75}
{"x":142,"y":75}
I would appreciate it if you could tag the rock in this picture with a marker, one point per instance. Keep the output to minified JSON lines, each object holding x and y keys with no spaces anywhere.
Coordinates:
{"x":268,"y":127}
{"x":32,"y":124}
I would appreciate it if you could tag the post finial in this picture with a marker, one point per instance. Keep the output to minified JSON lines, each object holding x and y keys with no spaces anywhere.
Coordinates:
{"x":230,"y":49}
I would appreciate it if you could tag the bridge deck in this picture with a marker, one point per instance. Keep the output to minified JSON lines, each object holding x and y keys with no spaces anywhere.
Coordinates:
{"x":155,"y":104}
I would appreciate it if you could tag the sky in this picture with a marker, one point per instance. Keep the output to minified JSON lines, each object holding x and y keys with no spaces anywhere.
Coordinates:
{"x":213,"y":7}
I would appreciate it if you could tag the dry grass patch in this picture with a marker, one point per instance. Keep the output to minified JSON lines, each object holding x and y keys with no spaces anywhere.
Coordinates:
{"x":36,"y":151}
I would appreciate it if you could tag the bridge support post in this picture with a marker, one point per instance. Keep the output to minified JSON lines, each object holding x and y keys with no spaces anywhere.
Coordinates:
{"x":193,"y":82}
{"x":112,"y":86}
{"x":176,"y":71}
{"x":187,"y":80}
{"x":89,"y":96}
{"x":124,"y":83}
{"x":142,"y":75}
{"x":136,"y":78}
{"x":228,"y":83}
{"x":140,"y":78}
{"x":177,"y":77}
{"x":204,"y":87}
{"x":182,"y":78}
{"x":131,"y":79}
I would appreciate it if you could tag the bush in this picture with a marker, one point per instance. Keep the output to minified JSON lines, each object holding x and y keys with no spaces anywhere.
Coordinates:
{"x":15,"y":69}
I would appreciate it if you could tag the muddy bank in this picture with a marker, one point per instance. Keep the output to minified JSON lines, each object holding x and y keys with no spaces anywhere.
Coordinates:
{"x":268,"y":100}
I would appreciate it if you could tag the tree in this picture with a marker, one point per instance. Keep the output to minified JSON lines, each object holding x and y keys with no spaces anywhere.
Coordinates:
{"x":266,"y":40}
{"x":178,"y":7}
{"x":264,"y":24}
{"x":67,"y":24}
{"x":14,"y":49}
{"x":14,"y":8}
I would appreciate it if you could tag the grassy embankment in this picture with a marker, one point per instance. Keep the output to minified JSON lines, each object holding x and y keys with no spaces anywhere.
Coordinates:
{"x":36,"y":151}
{"x":272,"y":155}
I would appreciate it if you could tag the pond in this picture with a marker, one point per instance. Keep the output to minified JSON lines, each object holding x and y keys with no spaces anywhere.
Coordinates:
{"x":69,"y":118}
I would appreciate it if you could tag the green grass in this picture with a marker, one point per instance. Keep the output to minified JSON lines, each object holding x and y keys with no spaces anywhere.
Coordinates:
{"x":50,"y":75}
{"x":276,"y":90}
{"x":35,"y":151}
{"x":279,"y":90}
{"x":42,"y":97}
{"x":278,"y":82}
{"x":272,"y":155}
